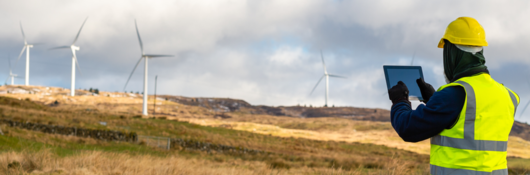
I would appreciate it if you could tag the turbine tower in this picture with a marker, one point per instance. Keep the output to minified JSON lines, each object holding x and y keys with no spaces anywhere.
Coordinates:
{"x":326,"y":75}
{"x":145,"y":57}
{"x":26,"y":47}
{"x":74,"y":48}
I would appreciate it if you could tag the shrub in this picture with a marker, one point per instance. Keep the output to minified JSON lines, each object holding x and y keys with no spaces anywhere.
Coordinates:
{"x":278,"y":164}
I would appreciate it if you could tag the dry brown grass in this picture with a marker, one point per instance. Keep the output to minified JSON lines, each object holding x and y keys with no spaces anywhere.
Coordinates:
{"x":98,"y":162}
{"x":288,"y":154}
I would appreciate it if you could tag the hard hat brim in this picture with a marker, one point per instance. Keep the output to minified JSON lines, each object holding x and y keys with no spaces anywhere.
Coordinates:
{"x":466,"y":42}
{"x":441,"y":43}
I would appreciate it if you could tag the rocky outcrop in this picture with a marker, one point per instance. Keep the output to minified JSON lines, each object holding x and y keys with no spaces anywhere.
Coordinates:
{"x":106,"y":135}
{"x":209,"y":147}
{"x":109,"y":135}
{"x":216,"y":104}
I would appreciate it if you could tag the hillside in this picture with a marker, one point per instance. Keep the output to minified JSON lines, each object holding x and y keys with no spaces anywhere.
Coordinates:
{"x":35,"y":152}
{"x":297,"y":134}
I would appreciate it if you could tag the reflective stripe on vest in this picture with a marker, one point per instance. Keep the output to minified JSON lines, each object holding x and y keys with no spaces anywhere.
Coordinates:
{"x":442,"y":170}
{"x":469,"y":141}
{"x":514,"y":101}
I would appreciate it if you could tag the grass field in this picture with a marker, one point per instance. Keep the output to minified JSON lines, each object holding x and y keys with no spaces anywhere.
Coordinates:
{"x":290,"y":155}
{"x":296,"y":146}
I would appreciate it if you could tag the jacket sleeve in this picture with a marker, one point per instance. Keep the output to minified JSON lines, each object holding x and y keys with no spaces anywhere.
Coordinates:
{"x":441,"y":112}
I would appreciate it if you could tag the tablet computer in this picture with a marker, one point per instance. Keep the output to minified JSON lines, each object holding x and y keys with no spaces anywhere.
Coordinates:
{"x":407,"y":74}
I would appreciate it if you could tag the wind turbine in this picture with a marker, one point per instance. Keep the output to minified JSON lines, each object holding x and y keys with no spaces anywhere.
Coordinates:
{"x":412,"y":61}
{"x":74,"y":48}
{"x":26,"y":47}
{"x":522,"y":112}
{"x":326,"y":75}
{"x":11,"y":75}
{"x":145,"y":57}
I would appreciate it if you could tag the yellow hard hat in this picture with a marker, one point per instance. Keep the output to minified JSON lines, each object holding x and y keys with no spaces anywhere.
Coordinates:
{"x":464,"y":31}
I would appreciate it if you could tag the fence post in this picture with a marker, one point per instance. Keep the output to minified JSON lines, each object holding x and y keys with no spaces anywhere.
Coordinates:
{"x":168,"y":143}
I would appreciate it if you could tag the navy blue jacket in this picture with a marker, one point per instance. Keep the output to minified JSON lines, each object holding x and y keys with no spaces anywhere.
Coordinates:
{"x":441,"y":112}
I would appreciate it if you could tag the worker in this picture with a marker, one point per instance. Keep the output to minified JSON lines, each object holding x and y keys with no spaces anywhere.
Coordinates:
{"x":468,"y":120}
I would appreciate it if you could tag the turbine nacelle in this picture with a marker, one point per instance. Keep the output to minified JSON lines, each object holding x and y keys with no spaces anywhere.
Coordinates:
{"x":76,"y":48}
{"x":11,"y":74}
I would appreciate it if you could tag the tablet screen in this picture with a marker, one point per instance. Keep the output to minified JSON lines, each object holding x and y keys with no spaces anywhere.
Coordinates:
{"x":407,"y":74}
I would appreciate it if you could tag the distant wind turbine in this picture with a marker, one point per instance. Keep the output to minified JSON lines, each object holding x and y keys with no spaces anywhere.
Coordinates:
{"x":26,"y":47}
{"x":145,"y":57}
{"x":74,"y":48}
{"x":11,"y":75}
{"x":412,"y":61}
{"x":522,"y":112}
{"x":326,"y":75}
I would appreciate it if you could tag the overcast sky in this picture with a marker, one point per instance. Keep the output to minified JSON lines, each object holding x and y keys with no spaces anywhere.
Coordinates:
{"x":262,"y":51}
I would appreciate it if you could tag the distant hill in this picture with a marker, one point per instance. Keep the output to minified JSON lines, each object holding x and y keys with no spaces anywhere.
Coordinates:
{"x":367,"y":114}
{"x":521,"y":130}
{"x":235,"y":105}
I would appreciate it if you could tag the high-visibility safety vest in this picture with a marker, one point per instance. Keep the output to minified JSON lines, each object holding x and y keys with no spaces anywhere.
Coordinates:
{"x":477,"y":142}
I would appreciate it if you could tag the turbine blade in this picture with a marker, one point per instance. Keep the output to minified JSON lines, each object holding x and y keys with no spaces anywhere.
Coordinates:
{"x":38,"y":44}
{"x":23,"y":35}
{"x":60,"y":47}
{"x":323,"y":63}
{"x":76,"y":37}
{"x":21,"y":52}
{"x":317,"y":84}
{"x":9,"y":61}
{"x":77,"y":64}
{"x":412,"y":61}
{"x":132,"y":73}
{"x":522,"y":112}
{"x":19,"y":55}
{"x":139,"y":39}
{"x":337,"y":76}
{"x":152,"y":56}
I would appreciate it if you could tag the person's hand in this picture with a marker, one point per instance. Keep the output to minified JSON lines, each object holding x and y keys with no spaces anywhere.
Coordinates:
{"x":426,"y":89}
{"x":398,"y":93}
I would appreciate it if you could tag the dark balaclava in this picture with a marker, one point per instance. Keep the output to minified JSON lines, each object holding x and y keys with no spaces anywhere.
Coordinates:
{"x":458,"y":63}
